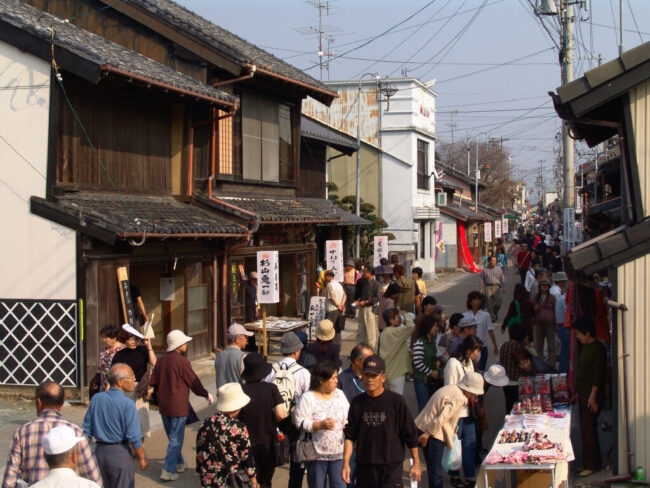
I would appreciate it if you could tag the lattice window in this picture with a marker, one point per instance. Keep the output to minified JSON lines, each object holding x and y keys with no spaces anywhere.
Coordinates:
{"x":38,"y":342}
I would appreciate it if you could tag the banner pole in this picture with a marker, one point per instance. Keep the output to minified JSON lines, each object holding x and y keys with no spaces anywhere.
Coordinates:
{"x":264,"y":344}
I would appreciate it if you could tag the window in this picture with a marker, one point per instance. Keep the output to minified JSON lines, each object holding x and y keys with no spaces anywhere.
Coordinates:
{"x":422,"y":246}
{"x":267,"y":146}
{"x":423,"y":165}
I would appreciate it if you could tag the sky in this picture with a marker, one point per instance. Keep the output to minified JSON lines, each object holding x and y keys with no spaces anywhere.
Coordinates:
{"x":493,"y":61}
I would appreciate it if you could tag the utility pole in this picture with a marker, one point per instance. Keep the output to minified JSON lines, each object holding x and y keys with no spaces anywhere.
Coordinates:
{"x":621,"y":47}
{"x":468,"y":152}
{"x":567,"y":76}
{"x":452,"y":124}
{"x":541,"y":183}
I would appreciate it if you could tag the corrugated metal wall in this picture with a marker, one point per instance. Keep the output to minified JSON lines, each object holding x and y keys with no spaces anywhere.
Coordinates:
{"x":633,"y":282}
{"x":640,"y":108}
{"x":343,"y":172}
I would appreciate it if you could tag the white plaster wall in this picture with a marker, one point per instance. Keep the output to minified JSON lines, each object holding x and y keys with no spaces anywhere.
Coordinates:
{"x":37,"y":257}
{"x":396,"y":203}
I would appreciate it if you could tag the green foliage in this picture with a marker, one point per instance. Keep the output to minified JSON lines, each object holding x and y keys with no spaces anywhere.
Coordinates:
{"x":367,"y":232}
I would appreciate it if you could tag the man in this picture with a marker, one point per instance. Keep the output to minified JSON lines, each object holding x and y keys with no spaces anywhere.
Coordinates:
{"x":365,"y":296}
{"x":351,"y":380}
{"x":230,"y":362}
{"x":533,"y":278}
{"x":559,"y":289}
{"x":62,"y":457}
{"x":523,"y":261}
{"x":420,"y":287}
{"x":467,"y":328}
{"x":113,"y":421}
{"x":174,"y":377}
{"x":555,"y":263}
{"x":492,"y":280}
{"x":251,"y":310}
{"x":290,"y":347}
{"x":26,"y":459}
{"x":380,"y":424}
{"x":335,"y":304}
{"x":349,"y":282}
{"x":406,"y":299}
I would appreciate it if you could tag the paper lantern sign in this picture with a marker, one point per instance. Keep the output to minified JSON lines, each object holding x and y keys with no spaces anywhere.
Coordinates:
{"x":504,"y":227}
{"x":488,"y":231}
{"x":268,"y":277}
{"x":380,"y":250}
{"x":497,"y":229}
{"x":334,"y":252}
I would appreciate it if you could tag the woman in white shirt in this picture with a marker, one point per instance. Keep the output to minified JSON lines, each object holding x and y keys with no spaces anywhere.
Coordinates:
{"x":461,"y":363}
{"x":323,"y":411}
{"x":484,"y":326}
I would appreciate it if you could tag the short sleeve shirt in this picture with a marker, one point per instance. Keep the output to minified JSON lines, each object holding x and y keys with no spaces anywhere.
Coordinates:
{"x":259,"y":415}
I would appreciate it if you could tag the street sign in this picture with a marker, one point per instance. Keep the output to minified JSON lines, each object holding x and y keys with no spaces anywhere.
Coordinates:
{"x":334,"y":253}
{"x":380,"y":250}
{"x":569,"y":224}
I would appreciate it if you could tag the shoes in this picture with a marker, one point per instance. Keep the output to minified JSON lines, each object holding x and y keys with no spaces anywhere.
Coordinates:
{"x":586,"y":472}
{"x":469,"y":483}
{"x":180,"y":468}
{"x":167,"y":476}
{"x":456,"y":482}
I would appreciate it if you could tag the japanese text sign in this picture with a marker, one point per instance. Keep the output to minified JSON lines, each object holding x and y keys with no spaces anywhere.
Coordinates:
{"x":268,"y":277}
{"x":316,"y":313}
{"x":504,"y":226}
{"x":497,"y":229}
{"x":380,"y":250}
{"x":488,"y":231}
{"x":334,"y":253}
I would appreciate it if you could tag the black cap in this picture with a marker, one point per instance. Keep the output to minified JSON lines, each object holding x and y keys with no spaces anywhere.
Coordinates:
{"x":374,"y":364}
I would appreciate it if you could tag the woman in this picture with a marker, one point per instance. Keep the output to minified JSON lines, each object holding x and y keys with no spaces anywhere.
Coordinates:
{"x":484,"y":325}
{"x":545,"y":324}
{"x":530,"y":365}
{"x":112,"y":345}
{"x":502,"y":258}
{"x":521,"y":304}
{"x":393,"y":349}
{"x":139,"y":357}
{"x":325,"y":348}
{"x":222,"y":443}
{"x":507,"y":360}
{"x":261,"y":415}
{"x":425,"y":359}
{"x":323,"y":411}
{"x":460,"y":364}
{"x":386,"y":302}
{"x":428,"y":307}
{"x":448,"y":339}
{"x":592,"y":363}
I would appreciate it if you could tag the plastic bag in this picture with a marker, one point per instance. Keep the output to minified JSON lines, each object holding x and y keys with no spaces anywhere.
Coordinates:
{"x":453,"y":460}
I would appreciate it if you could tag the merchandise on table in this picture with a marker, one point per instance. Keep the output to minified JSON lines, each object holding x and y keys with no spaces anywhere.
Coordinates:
{"x":541,"y":393}
{"x":543,"y":384}
{"x":513,"y":436}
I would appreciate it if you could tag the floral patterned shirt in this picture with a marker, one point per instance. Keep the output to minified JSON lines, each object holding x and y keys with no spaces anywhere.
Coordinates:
{"x":105,"y":361}
{"x":222,"y":447}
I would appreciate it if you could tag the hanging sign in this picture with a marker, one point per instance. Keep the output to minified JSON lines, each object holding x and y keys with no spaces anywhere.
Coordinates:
{"x":504,"y":226}
{"x":334,"y":252}
{"x":268,"y":277}
{"x":316,"y":314}
{"x":487,"y":227}
{"x":125,"y":296}
{"x":380,"y":250}
{"x":497,"y":229}
{"x":569,"y":233}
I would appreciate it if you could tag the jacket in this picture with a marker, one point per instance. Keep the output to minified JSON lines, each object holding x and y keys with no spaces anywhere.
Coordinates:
{"x":439,"y":418}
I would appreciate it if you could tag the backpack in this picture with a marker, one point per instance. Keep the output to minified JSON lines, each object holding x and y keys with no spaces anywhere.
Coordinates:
{"x":286,"y":383}
{"x":517,"y":319}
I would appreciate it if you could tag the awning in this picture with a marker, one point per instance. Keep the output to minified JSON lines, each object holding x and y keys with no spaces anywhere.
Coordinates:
{"x":511,"y":217}
{"x":314,"y":129}
{"x":110,"y":217}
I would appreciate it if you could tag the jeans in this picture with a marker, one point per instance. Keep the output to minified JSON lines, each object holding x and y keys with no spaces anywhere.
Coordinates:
{"x":175,"y":430}
{"x":467,"y":436}
{"x":564,"y":335}
{"x":433,"y":457}
{"x":484,"y":357}
{"x":318,"y":473}
{"x":421,"y":393}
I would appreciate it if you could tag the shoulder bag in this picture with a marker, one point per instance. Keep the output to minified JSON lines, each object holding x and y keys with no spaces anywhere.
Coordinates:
{"x":239,"y":479}
{"x":303,"y":449}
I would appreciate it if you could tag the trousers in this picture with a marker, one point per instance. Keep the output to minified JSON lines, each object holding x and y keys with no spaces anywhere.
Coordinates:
{"x":368,"y":329}
{"x":116,"y":465}
{"x":175,"y":430}
{"x":493,"y":298}
{"x":541,"y":332}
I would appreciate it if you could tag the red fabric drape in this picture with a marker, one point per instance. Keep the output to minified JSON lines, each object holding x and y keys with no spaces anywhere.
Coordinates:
{"x":464,"y":248}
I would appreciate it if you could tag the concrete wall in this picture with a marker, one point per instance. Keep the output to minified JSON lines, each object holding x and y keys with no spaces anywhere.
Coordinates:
{"x":37,"y":257}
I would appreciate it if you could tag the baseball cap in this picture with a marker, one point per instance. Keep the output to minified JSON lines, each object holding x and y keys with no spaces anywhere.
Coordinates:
{"x":238,"y":329}
{"x":374,"y":364}
{"x":467,"y":322}
{"x":60,"y":439}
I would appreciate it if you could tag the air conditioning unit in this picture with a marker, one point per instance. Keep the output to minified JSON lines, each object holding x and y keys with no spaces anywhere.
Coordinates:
{"x":442,"y":199}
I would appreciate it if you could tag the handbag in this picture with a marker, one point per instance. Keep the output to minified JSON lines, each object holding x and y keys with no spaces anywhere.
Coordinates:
{"x":281,"y":448}
{"x":94,"y":385}
{"x":239,"y":479}
{"x":303,"y":449}
{"x":517,"y":319}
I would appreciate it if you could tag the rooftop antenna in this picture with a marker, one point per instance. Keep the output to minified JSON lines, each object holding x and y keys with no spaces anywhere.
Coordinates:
{"x":320,"y":32}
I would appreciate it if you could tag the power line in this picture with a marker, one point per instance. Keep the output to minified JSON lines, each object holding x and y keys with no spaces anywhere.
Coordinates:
{"x":629,"y":6}
{"x":22,"y":157}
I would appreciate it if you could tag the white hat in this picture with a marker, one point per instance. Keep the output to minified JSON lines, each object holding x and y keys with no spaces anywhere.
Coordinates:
{"x":496,"y":375}
{"x":325,"y":330}
{"x":176,"y":339}
{"x":467,"y":322}
{"x":60,"y":439}
{"x":472,"y":382}
{"x":238,"y":329}
{"x":132,"y":331}
{"x":231,"y":398}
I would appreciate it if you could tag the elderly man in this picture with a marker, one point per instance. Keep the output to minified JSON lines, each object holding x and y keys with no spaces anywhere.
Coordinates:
{"x":335,"y":304}
{"x":230,"y":362}
{"x":174,"y":377}
{"x":62,"y":455}
{"x":113,"y":421}
{"x":492,"y":280}
{"x":26,"y":459}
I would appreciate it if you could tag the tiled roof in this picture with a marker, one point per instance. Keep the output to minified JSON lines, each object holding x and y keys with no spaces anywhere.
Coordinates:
{"x":109,"y":216}
{"x":326,"y":206}
{"x":462,"y":213}
{"x":315,"y":129}
{"x":235,"y":46}
{"x":93,"y":49}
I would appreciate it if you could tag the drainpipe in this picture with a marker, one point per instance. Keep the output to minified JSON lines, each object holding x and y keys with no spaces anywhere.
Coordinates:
{"x":190,"y":164}
{"x":251,"y":72}
{"x":213,"y":150}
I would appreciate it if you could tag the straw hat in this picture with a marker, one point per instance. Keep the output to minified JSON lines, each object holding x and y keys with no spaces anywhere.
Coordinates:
{"x":472,"y":382}
{"x":176,"y":339}
{"x":496,"y":375}
{"x":231,"y":398}
{"x":325,"y":330}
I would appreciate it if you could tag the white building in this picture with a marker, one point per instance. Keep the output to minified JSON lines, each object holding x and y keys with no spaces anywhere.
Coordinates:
{"x":402,"y":126}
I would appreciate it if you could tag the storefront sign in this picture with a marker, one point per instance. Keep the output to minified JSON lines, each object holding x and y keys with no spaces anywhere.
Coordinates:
{"x":504,"y":226}
{"x":334,"y":252}
{"x":316,"y":314}
{"x":487,"y":227}
{"x":569,"y":233}
{"x":497,"y":229}
{"x":380,"y":250}
{"x":268,"y":277}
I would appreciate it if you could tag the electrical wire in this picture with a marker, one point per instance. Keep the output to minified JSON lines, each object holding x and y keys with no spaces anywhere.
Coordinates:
{"x":629,"y":6}
{"x":22,"y":157}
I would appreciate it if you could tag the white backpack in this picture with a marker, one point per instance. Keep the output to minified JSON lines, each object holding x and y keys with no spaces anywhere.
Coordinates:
{"x":286,"y":383}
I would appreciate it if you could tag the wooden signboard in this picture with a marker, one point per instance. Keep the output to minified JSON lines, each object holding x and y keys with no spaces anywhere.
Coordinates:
{"x":125,"y":296}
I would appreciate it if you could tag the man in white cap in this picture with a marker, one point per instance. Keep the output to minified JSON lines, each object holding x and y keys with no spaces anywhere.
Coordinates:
{"x":230,"y":362}
{"x":174,"y":377}
{"x":62,"y":457}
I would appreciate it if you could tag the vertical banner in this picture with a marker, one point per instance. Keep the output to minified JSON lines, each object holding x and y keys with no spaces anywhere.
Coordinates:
{"x":497,"y":229}
{"x":268,"y":277}
{"x":125,"y":296}
{"x":487,"y":227}
{"x":316,"y":314}
{"x":569,"y":233}
{"x":504,"y":226}
{"x":380,"y":250}
{"x":334,"y":252}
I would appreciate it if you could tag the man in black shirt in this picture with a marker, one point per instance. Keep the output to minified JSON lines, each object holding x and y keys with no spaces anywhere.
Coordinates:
{"x":380,"y":424}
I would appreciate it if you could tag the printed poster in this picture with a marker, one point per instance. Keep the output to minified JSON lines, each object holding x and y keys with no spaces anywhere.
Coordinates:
{"x":497,"y":229}
{"x":334,"y":252}
{"x":268,"y":277}
{"x":380,"y":250}
{"x":487,"y":227}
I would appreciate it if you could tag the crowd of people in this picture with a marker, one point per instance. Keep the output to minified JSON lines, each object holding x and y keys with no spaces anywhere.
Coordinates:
{"x":345,"y":427}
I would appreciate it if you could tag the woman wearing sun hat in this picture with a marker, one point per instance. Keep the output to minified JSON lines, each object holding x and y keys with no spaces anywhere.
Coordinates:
{"x":223,"y":447}
{"x":325,"y":348}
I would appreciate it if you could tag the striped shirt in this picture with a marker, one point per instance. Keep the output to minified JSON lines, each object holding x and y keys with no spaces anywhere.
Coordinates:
{"x":27,"y":458}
